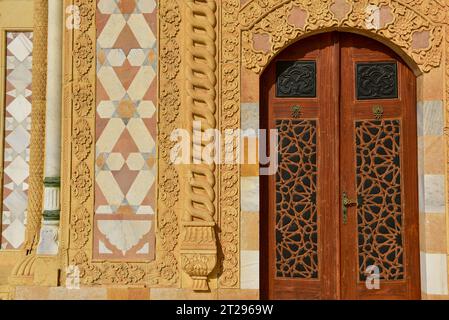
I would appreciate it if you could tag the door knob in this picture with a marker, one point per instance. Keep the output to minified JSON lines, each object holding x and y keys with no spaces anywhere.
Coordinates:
{"x":346,"y":202}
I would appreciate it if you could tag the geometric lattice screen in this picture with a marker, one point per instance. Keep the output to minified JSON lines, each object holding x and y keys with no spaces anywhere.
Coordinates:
{"x":296,"y":200}
{"x":379,"y":212}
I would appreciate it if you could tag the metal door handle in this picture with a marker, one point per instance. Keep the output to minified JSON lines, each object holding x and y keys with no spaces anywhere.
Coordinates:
{"x":346,"y":202}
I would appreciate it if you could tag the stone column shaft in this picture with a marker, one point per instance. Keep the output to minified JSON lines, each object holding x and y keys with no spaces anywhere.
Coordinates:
{"x":54,"y":90}
{"x":49,"y":232}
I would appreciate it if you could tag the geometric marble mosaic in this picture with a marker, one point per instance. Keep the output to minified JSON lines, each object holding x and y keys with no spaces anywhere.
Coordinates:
{"x":126,"y":119}
{"x":17,"y":126}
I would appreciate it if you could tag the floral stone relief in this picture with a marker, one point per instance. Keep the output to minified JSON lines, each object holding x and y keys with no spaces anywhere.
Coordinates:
{"x":272,"y":18}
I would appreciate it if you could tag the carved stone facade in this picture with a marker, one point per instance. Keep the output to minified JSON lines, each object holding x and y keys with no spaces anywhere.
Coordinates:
{"x":210,"y":56}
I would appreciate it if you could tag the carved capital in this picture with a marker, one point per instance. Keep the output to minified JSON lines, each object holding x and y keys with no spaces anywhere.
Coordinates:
{"x":199,"y":252}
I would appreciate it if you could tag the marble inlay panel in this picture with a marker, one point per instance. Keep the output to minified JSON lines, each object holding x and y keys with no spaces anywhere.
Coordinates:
{"x":434,"y":273}
{"x":17,"y":127}
{"x":434,"y":190}
{"x":433,"y":118}
{"x":250,"y":118}
{"x":249,"y":269}
{"x":249,"y":194}
{"x":125,"y":193}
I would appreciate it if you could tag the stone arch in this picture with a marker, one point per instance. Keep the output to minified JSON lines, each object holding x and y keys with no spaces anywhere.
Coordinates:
{"x":415,"y":33}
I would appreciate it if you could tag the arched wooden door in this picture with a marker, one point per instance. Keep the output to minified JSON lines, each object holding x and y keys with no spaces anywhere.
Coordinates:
{"x":340,"y":216}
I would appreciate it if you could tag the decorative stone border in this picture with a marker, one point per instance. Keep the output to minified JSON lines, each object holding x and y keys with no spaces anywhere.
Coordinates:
{"x":399,"y":22}
{"x":79,"y":149}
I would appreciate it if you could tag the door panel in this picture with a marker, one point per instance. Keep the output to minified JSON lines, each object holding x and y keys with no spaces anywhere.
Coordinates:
{"x":296,"y":212}
{"x":344,"y":199}
{"x":379,"y":171}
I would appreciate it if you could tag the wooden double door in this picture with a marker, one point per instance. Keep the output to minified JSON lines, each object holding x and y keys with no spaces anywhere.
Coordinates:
{"x":339,"y":219}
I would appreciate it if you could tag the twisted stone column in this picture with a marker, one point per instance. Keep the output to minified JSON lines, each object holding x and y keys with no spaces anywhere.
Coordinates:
{"x":198,"y":239}
{"x":39,"y":85}
{"x":23,"y":272}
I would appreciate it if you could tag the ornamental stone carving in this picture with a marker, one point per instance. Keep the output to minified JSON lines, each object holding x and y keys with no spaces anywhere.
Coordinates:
{"x":80,"y":84}
{"x":83,"y":139}
{"x":199,"y":252}
{"x":84,"y":54}
{"x":229,"y":264}
{"x":274,"y":20}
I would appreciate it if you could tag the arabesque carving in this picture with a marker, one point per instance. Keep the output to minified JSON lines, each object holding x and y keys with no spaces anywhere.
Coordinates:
{"x":230,"y":120}
{"x":271,"y":17}
{"x":165,"y":270}
{"x":83,"y":139}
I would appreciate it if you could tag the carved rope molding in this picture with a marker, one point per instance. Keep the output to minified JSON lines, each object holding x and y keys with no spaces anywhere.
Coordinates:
{"x":80,"y":97}
{"x":271,"y":17}
{"x":198,"y":246}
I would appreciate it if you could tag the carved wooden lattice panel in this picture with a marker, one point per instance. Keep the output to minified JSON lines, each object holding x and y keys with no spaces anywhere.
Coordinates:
{"x":296,"y":79}
{"x":377,"y":80}
{"x":296,"y":205}
{"x":379,"y":213}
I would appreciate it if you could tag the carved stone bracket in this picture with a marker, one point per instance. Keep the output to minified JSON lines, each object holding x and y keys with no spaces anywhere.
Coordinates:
{"x":198,"y":252}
